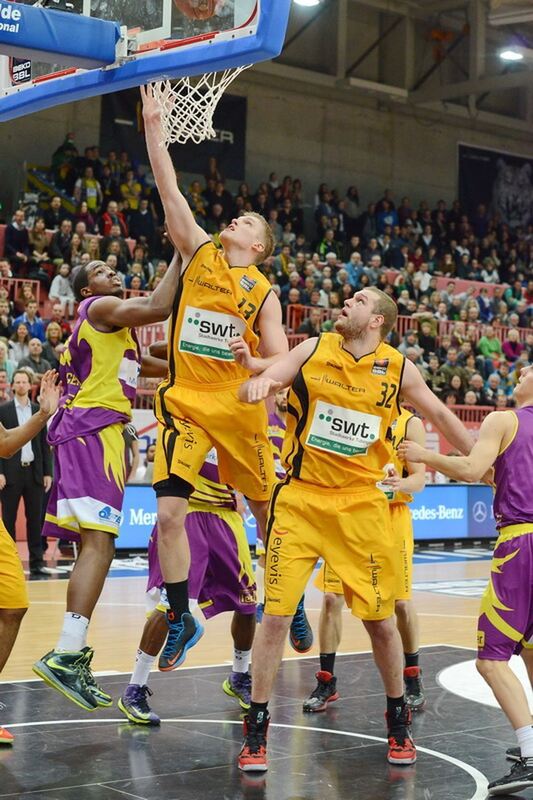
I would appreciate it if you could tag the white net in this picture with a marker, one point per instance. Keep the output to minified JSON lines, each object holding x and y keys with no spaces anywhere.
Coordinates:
{"x":188,"y":105}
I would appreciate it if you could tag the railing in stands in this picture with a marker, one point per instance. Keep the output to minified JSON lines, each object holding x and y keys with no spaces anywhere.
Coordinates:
{"x":472,"y":414}
{"x":446,"y":327}
{"x":149,"y":334}
{"x":296,"y":314}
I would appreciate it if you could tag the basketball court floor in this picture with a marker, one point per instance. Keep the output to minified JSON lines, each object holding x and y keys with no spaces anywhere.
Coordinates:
{"x":65,"y":753}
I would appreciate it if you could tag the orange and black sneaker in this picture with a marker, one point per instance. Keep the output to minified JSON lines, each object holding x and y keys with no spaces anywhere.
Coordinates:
{"x":5,"y":736}
{"x":401,"y":746}
{"x":253,"y":755}
{"x":324,"y":693}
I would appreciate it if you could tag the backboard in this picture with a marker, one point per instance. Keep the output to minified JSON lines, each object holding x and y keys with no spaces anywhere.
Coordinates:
{"x":152,"y":40}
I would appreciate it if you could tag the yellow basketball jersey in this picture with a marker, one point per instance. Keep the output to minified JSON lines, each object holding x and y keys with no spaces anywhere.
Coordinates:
{"x":99,"y":373}
{"x":341,"y":411}
{"x":398,"y":435}
{"x":214,"y":303}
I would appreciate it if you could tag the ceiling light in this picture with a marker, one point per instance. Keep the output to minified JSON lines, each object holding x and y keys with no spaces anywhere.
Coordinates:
{"x":511,"y":55}
{"x":307,"y":3}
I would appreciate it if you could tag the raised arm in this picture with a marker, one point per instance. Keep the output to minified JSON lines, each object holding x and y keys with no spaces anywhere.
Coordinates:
{"x":113,"y":312}
{"x":12,"y":439}
{"x":278,"y":375}
{"x":153,"y":367}
{"x":185,"y":233}
{"x":496,"y":431}
{"x":415,"y":392}
{"x":273,"y":344}
{"x":159,"y":350}
{"x":416,"y":479}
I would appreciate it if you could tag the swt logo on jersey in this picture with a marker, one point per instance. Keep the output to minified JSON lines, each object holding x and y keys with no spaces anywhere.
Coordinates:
{"x":342,"y":430}
{"x":206,"y":333}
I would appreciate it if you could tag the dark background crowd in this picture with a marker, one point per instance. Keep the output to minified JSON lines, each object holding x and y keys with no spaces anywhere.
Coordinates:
{"x":469,"y":340}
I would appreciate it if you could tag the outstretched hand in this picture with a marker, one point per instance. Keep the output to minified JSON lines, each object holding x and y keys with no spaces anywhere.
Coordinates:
{"x":258,"y":389}
{"x":393,"y":479}
{"x":151,"y":108}
{"x":411,"y":451}
{"x":241,"y":353}
{"x":49,"y":392}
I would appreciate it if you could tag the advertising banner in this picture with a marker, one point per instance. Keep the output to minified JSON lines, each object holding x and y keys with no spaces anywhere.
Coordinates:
{"x":440,"y":513}
{"x":502,"y":182}
{"x":121,"y":129}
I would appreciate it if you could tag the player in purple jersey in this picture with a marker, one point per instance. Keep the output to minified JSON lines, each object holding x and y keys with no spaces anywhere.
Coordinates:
{"x":99,"y":369}
{"x":505,"y":625}
{"x":300,"y":632}
{"x":221,"y":579}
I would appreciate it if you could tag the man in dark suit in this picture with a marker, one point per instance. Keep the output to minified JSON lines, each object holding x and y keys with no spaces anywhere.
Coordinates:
{"x":28,"y":474}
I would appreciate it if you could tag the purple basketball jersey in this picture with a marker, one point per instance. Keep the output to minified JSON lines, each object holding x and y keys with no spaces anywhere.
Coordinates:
{"x":513,"y":501}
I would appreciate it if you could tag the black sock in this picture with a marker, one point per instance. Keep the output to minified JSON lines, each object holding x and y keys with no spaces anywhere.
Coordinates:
{"x":395,"y":706}
{"x":178,"y":597}
{"x":258,"y":712}
{"x":327,"y":662}
{"x":411,"y":659}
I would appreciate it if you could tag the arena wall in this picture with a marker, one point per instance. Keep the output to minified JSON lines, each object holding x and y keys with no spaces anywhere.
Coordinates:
{"x":302,"y":130}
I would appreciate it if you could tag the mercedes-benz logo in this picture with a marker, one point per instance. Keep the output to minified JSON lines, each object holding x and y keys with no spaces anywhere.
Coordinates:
{"x":479,"y":511}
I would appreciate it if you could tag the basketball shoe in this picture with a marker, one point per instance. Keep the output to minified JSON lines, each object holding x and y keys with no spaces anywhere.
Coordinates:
{"x":520,"y":777}
{"x":239,"y":685}
{"x":253,"y":755}
{"x":401,"y":746}
{"x":181,"y":637}
{"x":513,"y":754}
{"x":134,"y":704}
{"x":301,"y":633}
{"x":103,"y":699}
{"x":67,"y":673}
{"x":414,"y":690}
{"x":324,"y":693}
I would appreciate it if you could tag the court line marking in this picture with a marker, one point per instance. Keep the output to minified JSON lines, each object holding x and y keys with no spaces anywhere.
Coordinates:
{"x":111,"y":672}
{"x":479,"y":779}
{"x":142,"y":605}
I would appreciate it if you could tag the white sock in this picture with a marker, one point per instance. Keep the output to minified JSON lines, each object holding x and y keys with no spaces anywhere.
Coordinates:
{"x":194,"y":609}
{"x":141,"y":669}
{"x":241,"y":660}
{"x":74,"y":633}
{"x":525,"y":740}
{"x":260,"y":582}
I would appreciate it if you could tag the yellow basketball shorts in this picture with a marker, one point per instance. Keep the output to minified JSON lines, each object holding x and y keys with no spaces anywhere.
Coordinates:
{"x":352,"y":532}
{"x":194,"y":419}
{"x":402,"y":527}
{"x":13,"y":593}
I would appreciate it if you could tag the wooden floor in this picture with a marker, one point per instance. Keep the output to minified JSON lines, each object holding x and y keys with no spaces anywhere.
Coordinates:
{"x":118,"y":620}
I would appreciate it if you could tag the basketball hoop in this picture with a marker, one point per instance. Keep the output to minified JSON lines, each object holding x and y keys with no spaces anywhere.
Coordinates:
{"x":187,"y":105}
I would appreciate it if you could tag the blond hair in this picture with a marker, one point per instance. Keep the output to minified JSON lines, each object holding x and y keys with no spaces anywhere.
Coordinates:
{"x":267,"y":239}
{"x":384,"y":305}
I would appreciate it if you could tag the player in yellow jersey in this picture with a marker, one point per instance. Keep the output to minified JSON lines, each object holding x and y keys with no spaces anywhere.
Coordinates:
{"x":344,"y":398}
{"x":403,"y":479}
{"x":226,"y":325}
{"x":13,"y":594}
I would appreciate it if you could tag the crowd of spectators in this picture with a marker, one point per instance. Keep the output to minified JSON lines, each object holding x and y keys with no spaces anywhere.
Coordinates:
{"x":327,"y":247}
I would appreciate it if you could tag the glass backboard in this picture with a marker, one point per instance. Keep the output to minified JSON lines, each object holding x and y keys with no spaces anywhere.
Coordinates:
{"x":165,"y":39}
